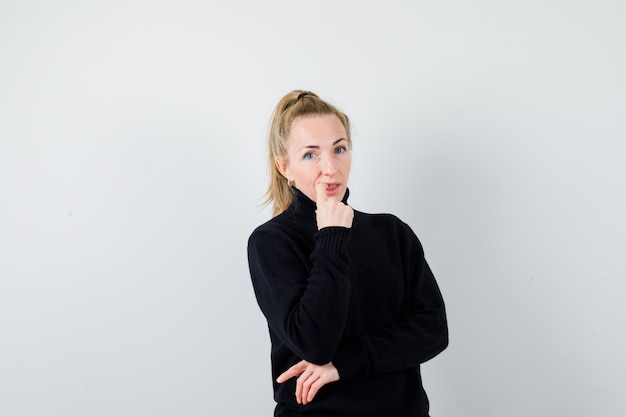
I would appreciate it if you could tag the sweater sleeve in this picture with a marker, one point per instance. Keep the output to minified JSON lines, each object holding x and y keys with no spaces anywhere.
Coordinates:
{"x":417,"y":336}
{"x":304,"y":297}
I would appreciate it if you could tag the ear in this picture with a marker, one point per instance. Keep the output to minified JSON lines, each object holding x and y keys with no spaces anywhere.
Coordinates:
{"x":281,"y":164}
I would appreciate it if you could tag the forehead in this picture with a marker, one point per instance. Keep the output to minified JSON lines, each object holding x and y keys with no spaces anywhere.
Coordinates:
{"x":316,"y":128}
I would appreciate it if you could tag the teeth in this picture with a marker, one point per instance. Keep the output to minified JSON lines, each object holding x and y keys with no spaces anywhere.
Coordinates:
{"x":332,"y":186}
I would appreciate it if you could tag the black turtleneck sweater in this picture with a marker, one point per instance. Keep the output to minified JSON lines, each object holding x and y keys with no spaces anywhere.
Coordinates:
{"x":361,"y":297}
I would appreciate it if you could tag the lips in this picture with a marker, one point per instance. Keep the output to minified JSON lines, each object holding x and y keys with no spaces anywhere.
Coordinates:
{"x":332,"y":189}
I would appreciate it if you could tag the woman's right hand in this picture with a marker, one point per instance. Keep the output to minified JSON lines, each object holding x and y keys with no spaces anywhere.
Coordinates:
{"x":331,"y":212}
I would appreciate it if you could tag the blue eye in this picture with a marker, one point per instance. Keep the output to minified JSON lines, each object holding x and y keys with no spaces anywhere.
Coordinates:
{"x":308,"y":155}
{"x":341,"y":149}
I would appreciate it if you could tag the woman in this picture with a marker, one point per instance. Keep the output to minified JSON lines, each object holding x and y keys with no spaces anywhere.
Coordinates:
{"x":353,"y":308}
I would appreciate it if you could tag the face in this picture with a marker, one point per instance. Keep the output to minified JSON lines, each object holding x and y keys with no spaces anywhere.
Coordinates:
{"x":317,"y":153}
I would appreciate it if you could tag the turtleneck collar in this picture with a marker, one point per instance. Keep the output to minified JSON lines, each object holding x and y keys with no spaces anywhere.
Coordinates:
{"x":304,"y":206}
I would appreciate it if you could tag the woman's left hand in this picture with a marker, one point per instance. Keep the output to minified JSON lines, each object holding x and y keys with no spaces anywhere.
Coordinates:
{"x":311,"y":378}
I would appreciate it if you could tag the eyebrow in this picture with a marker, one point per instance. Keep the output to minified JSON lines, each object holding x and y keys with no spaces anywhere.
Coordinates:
{"x":317,"y":147}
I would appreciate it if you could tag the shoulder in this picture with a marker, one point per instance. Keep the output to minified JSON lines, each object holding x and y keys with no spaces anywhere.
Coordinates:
{"x":269,"y":228}
{"x":386,"y":225}
{"x":284,"y":229}
{"x":380,"y":220}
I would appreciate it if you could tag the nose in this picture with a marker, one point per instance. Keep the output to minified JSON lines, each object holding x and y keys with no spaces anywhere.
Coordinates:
{"x":328,"y":166}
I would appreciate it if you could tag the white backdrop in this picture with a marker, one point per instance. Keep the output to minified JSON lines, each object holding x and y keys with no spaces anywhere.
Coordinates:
{"x":132,"y":161}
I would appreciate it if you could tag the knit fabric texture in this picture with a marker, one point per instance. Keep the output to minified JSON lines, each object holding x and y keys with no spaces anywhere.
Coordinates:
{"x":362,"y":297}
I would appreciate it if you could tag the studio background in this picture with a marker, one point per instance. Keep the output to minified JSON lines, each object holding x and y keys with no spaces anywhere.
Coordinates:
{"x":132,"y":166}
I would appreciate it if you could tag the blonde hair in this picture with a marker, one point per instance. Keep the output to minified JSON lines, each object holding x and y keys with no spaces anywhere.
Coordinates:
{"x":295,"y":104}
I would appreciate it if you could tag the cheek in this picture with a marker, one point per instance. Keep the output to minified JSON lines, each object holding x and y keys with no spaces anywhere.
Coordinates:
{"x":346,"y":166}
{"x":304,"y":173}
{"x":310,"y":175}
